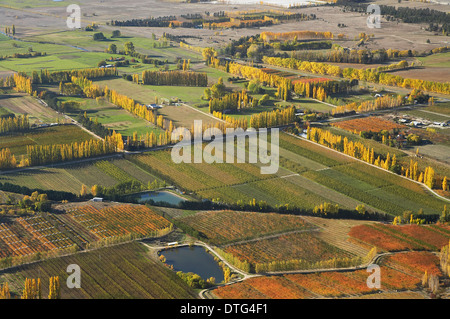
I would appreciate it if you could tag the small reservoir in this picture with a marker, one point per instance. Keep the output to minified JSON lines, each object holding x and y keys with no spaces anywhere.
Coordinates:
{"x":194,"y":259}
{"x":160,"y":196}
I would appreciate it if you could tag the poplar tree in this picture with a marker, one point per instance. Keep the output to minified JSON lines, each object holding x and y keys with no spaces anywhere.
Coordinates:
{"x":54,"y":288}
{"x":4,"y":291}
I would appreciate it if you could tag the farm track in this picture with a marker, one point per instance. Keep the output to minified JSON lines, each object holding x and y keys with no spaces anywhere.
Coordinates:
{"x":440,"y":114}
{"x":82,"y":127}
{"x":204,"y":113}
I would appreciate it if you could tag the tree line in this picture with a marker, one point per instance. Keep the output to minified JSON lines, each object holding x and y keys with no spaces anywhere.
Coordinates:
{"x":86,"y":86}
{"x":240,"y":20}
{"x":12,"y":124}
{"x":93,"y":125}
{"x":158,"y":22}
{"x":54,"y":153}
{"x":320,"y":89}
{"x":22,"y":83}
{"x":33,"y":289}
{"x":383,"y":102}
{"x":51,"y":194}
{"x":294,"y":45}
{"x":7,"y":159}
{"x":273,"y":118}
{"x":272,"y":36}
{"x":232,"y":102}
{"x":149,"y":140}
{"x":248,"y":72}
{"x":369,"y":75}
{"x":46,"y":77}
{"x":175,"y":78}
{"x":10,"y":30}
{"x":234,"y":122}
{"x":79,"y":84}
{"x":300,"y":264}
{"x":23,"y":55}
{"x":255,"y":47}
{"x":294,"y":264}
{"x":407,"y":14}
{"x":344,"y":56}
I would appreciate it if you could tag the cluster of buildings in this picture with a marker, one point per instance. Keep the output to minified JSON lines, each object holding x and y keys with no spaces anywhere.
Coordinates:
{"x":417,"y":122}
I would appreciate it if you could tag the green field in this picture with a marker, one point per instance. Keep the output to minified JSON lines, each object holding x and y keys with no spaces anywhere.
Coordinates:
{"x":228,"y":182}
{"x":71,"y":177}
{"x":9,"y":47}
{"x":439,"y":60}
{"x":143,"y":45}
{"x":3,"y":38}
{"x":439,"y":152}
{"x":123,"y":271}
{"x":443,"y":108}
{"x":387,"y":192}
{"x":77,"y":50}
{"x":5,"y":112}
{"x":38,"y":113}
{"x":62,"y":134}
{"x":309,"y":104}
{"x":310,"y":175}
{"x":145,"y":94}
{"x":59,"y":61}
{"x":26,"y":4}
{"x":111,"y":116}
{"x":69,"y":55}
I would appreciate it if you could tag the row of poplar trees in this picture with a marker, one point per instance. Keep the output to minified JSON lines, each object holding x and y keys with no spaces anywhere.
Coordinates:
{"x":33,"y":289}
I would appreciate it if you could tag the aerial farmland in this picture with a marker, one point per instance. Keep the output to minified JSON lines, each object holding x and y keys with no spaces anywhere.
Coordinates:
{"x":247,"y":150}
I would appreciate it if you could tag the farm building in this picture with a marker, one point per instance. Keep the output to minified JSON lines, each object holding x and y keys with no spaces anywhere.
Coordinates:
{"x":174,"y":243}
{"x":154,"y":106}
{"x":416,"y":123}
{"x":401,"y":140}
